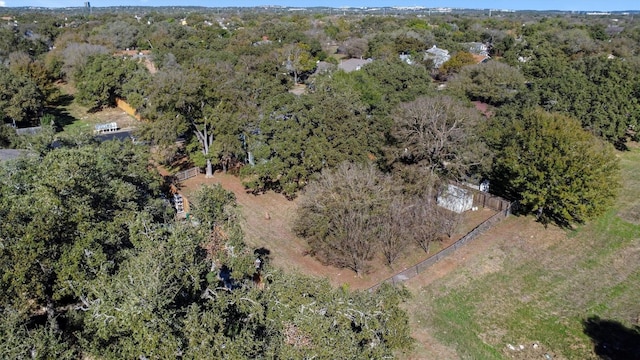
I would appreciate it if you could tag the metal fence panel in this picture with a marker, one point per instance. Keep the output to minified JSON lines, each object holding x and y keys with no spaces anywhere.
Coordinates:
{"x":413,"y":271}
{"x":187,"y":174}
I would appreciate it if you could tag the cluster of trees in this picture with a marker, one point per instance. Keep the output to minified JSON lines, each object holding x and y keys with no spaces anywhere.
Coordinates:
{"x":355,"y":213}
{"x":93,"y":264}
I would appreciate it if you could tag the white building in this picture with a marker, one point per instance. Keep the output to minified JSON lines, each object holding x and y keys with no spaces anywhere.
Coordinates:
{"x":456,"y":199}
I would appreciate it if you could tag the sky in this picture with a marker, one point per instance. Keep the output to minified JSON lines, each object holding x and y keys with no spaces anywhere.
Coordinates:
{"x":583,"y":5}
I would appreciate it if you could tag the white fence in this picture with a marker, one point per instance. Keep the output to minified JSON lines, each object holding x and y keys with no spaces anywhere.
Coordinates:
{"x":187,"y":174}
{"x":104,"y":128}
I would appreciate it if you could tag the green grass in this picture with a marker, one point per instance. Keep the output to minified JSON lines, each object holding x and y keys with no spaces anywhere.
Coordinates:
{"x":72,"y":116}
{"x":541,"y":292}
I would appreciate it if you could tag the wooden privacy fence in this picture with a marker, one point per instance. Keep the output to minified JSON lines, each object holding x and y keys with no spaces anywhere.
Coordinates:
{"x":187,"y":174}
{"x":424,"y":265}
{"x":486,"y":200}
{"x":124,"y":106}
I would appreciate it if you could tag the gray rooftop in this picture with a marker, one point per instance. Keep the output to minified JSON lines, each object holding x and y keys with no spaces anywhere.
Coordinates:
{"x":10,"y":154}
{"x":353,"y":64}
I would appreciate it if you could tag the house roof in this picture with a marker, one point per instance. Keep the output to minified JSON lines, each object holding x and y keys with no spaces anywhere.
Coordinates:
{"x":10,"y":154}
{"x":353,"y":64}
{"x":481,"y":58}
{"x":323,"y":67}
{"x":439,"y":56}
{"x":477,"y":48}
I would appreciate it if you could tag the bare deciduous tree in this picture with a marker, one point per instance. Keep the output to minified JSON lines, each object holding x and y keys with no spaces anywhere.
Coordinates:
{"x":449,"y":221}
{"x":424,"y":222}
{"x":395,"y":229}
{"x":340,"y":214}
{"x":355,"y":212}
{"x":355,"y":47}
{"x":75,"y":56}
{"x":438,"y":133}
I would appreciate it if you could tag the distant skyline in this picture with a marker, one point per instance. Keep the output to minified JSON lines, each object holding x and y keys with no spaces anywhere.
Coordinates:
{"x":618,"y":5}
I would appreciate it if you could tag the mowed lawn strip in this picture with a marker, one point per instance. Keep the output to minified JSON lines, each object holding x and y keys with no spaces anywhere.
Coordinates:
{"x":537,"y":286}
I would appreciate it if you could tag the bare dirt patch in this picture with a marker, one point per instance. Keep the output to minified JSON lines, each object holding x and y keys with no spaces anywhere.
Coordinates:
{"x":77,"y":116}
{"x":116,"y":115}
{"x":288,"y":252}
{"x":298,"y":89}
{"x":268,"y":220}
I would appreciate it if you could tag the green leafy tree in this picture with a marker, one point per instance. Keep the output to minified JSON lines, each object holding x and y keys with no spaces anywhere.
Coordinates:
{"x":211,"y":206}
{"x":21,"y":101}
{"x":398,"y":81}
{"x":101,"y":80}
{"x":493,"y":83}
{"x":7,"y":137}
{"x":66,"y":216}
{"x":553,"y":168}
{"x":456,"y":63}
{"x":297,"y":60}
{"x":299,"y":136}
{"x":21,"y":340}
{"x":602,"y":93}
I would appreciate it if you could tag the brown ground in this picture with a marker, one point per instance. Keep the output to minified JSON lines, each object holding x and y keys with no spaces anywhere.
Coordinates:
{"x":124,"y":120}
{"x":288,"y":251}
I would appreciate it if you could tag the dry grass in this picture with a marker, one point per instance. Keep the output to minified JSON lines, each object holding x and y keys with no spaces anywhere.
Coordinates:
{"x":535,"y":285}
{"x":289,"y":251}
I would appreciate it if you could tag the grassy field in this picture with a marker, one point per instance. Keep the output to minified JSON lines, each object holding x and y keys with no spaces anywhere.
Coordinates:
{"x":74,"y":118}
{"x":560,"y":294}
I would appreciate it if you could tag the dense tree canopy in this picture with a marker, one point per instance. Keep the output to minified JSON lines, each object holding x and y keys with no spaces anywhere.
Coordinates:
{"x":494,"y":83}
{"x":92,"y":263}
{"x":554,"y":168}
{"x":102,"y":78}
{"x":89,"y":245}
{"x":21,"y":101}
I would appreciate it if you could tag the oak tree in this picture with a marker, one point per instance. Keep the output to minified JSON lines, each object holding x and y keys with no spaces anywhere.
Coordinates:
{"x":554,"y":168}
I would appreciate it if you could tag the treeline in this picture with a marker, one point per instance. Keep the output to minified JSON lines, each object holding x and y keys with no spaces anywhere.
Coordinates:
{"x":223,"y":81}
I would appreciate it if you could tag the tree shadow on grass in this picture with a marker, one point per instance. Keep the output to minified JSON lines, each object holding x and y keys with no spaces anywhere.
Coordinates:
{"x":612,"y":340}
{"x":62,"y":116}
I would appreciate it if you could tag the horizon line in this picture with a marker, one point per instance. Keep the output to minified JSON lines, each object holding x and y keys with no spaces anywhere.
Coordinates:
{"x":603,"y":12}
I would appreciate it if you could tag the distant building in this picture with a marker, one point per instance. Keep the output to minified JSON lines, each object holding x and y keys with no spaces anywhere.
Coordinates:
{"x":265,"y":41}
{"x":323,"y":67}
{"x":479,"y":59}
{"x":477,"y":48}
{"x":437,"y":55}
{"x":353,"y":64}
{"x":10,"y":154}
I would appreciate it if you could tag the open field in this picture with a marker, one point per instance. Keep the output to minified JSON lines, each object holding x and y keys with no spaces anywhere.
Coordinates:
{"x":553,"y":291}
{"x":74,"y":117}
